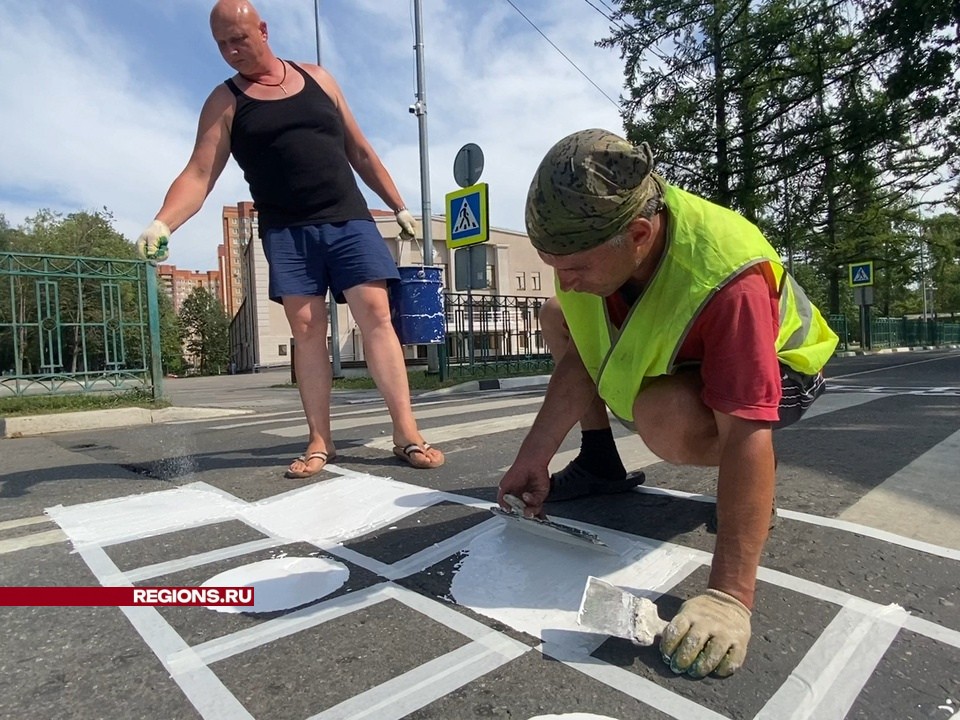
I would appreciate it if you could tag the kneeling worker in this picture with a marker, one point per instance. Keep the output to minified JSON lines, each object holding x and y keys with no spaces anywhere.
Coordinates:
{"x":679,"y":317}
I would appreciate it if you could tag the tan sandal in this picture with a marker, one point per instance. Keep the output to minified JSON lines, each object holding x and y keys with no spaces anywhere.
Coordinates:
{"x":305,"y":459}
{"x":415,"y":455}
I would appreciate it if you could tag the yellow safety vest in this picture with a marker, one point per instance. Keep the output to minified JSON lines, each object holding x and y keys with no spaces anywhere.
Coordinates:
{"x":706,"y":247}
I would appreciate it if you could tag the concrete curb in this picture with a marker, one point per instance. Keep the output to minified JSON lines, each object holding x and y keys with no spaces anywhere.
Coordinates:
{"x":29,"y":425}
{"x":513,"y":383}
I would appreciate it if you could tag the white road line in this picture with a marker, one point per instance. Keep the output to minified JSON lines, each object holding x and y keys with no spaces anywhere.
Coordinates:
{"x":891,"y":367}
{"x":920,"y":500}
{"x":475,"y":428}
{"x":191,"y":561}
{"x":417,"y":688}
{"x":377,"y":416}
{"x":23,"y":522}
{"x":253,"y":637}
{"x":646,"y":691}
{"x":827,"y":681}
{"x":844,"y":525}
{"x":50,"y":537}
{"x":198,"y":682}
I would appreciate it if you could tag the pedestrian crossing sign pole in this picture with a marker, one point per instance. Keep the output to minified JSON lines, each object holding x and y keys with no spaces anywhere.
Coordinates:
{"x":467,"y":216}
{"x":861,"y":274}
{"x":861,"y":280}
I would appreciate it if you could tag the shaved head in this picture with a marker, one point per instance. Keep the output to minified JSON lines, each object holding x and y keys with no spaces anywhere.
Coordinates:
{"x":231,"y":11}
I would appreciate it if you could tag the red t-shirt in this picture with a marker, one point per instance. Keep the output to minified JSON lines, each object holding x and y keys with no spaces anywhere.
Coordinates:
{"x":733,"y":339}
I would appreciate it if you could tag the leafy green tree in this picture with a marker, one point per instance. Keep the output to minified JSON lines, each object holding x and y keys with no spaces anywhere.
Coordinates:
{"x":171,"y":348}
{"x":204,"y":328}
{"x":823,"y":122}
{"x":941,"y":237}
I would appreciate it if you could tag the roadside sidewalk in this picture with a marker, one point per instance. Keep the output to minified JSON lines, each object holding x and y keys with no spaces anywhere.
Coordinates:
{"x":217,"y":396}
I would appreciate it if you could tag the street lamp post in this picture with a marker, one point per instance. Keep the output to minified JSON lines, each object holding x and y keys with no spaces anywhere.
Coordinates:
{"x":332,"y":313}
{"x":419,"y":108}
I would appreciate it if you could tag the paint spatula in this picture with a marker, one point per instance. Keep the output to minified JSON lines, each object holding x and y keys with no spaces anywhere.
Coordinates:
{"x":544,"y":527}
{"x":609,"y":610}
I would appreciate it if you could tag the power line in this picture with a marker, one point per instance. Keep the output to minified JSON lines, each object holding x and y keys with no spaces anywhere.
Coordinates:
{"x":616,"y":23}
{"x":553,"y":45}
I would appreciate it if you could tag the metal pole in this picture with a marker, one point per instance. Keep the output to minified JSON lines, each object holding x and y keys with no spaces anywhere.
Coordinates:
{"x":316,"y":24}
{"x":332,"y":311}
{"x":923,"y":277}
{"x":420,"y":110}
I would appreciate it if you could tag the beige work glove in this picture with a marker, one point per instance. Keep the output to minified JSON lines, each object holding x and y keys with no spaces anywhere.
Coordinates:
{"x":153,"y":243}
{"x":408,"y":226}
{"x":708,"y":635}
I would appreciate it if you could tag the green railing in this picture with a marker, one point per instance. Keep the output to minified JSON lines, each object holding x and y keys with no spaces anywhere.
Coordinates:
{"x":491,"y":334}
{"x":78,"y":324}
{"x":896,"y":332}
{"x":838,"y":323}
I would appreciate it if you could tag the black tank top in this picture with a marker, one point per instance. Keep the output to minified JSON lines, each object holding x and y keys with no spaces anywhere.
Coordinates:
{"x":292,"y":155}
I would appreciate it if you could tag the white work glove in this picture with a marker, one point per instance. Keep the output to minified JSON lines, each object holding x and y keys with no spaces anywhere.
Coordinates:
{"x":708,"y":635}
{"x":154,"y":241}
{"x":408,"y":226}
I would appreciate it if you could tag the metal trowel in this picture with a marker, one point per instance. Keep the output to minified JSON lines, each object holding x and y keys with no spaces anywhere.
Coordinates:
{"x":544,"y":527}
{"x":609,"y":610}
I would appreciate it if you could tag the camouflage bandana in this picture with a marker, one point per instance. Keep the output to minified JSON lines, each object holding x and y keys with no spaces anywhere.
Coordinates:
{"x":587,"y":189}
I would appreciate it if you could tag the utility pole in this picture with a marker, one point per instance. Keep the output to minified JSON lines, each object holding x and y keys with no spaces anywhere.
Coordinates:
{"x":332,"y":312}
{"x":419,"y":108}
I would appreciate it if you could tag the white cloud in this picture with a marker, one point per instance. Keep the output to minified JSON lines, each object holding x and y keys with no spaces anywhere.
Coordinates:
{"x":107,"y":118}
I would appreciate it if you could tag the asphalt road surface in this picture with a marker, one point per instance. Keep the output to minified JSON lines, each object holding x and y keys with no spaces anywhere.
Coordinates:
{"x":386,"y":592}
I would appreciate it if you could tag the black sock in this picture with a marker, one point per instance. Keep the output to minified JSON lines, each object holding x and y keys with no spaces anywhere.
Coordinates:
{"x":599,"y":455}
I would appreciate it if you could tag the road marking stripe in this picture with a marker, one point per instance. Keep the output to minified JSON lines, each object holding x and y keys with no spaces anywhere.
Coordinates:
{"x":646,"y":691}
{"x":460,"y":431}
{"x":827,"y":681}
{"x":892,"y":367}
{"x":205,"y":691}
{"x":382,"y":419}
{"x":23,"y":522}
{"x":39,"y":539}
{"x":398,"y":697}
{"x":191,"y":561}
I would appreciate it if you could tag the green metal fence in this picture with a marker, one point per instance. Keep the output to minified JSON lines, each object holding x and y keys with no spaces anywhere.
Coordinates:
{"x":78,"y":324}
{"x":896,"y":332}
{"x":905,"y":332}
{"x":492,"y":334}
{"x":838,"y":323}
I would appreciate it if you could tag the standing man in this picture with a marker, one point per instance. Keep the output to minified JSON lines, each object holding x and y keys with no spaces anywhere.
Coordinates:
{"x":677,"y":315}
{"x":289,"y":128}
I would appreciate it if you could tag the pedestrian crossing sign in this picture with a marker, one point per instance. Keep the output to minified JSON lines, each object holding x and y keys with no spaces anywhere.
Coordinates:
{"x":861,"y":274}
{"x":467,"y":216}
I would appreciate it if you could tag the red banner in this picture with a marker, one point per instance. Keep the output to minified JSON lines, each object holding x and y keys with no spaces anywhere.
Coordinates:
{"x":126,"y":596}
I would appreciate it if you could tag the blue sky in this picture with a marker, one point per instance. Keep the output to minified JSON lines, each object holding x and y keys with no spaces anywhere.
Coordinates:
{"x":101,"y":97}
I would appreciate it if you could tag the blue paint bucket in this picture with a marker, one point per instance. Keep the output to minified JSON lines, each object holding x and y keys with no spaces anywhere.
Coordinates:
{"x":416,"y":305}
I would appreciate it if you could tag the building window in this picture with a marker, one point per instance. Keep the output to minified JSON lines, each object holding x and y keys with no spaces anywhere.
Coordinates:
{"x":282,"y":350}
{"x":492,"y":277}
{"x":535,"y":280}
{"x":521,"y":281}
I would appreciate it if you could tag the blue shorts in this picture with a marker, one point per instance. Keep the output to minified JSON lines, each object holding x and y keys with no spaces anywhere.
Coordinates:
{"x":310,"y":259}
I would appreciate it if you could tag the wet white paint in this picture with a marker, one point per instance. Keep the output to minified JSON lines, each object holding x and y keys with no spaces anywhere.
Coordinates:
{"x":339,"y":509}
{"x":573,"y":716}
{"x":535,"y":585}
{"x":111,"y":521}
{"x":282,"y":583}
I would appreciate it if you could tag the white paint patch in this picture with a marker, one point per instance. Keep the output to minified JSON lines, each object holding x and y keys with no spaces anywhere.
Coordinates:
{"x":573,"y":716}
{"x":108,"y":522}
{"x":283,"y":583}
{"x":535,"y":585}
{"x":336,"y":510}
